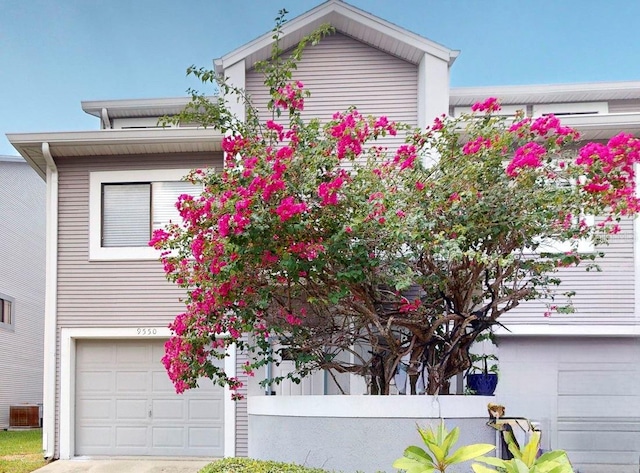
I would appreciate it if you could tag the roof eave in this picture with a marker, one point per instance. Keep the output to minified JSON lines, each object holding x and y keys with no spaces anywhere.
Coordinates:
{"x":113,"y":142}
{"x":547,"y":93}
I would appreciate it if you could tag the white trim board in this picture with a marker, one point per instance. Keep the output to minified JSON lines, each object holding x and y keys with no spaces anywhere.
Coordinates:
{"x":68,"y":338}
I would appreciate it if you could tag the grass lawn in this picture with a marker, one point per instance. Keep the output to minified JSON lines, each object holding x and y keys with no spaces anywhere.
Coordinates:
{"x":20,"y":451}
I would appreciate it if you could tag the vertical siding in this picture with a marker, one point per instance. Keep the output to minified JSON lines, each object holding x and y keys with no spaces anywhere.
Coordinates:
{"x":601,"y":297}
{"x":22,"y":253}
{"x":341,"y":72}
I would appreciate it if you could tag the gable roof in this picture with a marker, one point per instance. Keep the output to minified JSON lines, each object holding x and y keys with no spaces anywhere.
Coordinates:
{"x":350,"y":21}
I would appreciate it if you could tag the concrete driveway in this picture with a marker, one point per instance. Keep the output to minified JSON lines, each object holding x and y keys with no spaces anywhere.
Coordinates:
{"x":128,"y":465}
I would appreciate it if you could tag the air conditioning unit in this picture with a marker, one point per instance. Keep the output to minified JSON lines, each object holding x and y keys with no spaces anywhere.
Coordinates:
{"x":24,"y":416}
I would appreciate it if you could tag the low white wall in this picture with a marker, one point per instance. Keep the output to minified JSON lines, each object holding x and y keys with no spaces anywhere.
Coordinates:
{"x":357,"y":433}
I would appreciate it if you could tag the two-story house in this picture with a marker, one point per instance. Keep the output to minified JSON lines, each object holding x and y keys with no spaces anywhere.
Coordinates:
{"x":108,"y":304}
{"x":22,"y":285}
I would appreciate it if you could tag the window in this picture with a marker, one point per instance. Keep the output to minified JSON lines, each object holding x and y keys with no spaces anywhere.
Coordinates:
{"x":127,"y":206}
{"x":6,"y":312}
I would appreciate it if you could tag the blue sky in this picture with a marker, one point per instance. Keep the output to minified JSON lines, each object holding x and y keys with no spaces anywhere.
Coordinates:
{"x":55,"y":53}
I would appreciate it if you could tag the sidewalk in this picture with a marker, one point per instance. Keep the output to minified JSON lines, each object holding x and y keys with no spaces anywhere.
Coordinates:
{"x":151,"y":465}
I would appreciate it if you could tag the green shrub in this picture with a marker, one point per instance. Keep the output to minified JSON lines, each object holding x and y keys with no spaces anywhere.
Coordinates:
{"x":248,"y":465}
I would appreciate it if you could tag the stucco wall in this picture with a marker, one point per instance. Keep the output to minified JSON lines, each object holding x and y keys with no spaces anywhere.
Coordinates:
{"x":357,"y":433}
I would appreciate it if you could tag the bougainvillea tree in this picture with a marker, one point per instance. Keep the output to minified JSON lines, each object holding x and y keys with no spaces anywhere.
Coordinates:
{"x":317,"y":241}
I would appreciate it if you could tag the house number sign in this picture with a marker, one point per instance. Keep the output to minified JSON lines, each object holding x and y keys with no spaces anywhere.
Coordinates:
{"x":146,"y":331}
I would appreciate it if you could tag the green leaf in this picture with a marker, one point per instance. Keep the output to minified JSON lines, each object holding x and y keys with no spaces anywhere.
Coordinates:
{"x":478,"y":468}
{"x":469,"y":452}
{"x":530,"y":451}
{"x":418,"y":454}
{"x":438,"y":452}
{"x":493,"y":461}
{"x":412,"y":466}
{"x":451,"y":439}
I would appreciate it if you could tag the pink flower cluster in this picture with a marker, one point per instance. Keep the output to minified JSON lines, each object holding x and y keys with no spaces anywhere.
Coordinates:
{"x":288,"y":208}
{"x":328,"y":191}
{"x":489,"y":106}
{"x":528,"y":156}
{"x":609,"y":170}
{"x":476,"y":145}
{"x":290,"y":97}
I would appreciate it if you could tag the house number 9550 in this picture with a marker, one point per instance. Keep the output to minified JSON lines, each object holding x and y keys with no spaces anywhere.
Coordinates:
{"x":147,"y":331}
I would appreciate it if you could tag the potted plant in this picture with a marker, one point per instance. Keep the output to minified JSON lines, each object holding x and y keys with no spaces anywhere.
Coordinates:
{"x":482,"y":376}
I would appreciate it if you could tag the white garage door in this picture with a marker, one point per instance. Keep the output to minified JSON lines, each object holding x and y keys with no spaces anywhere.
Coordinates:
{"x":126,"y":405}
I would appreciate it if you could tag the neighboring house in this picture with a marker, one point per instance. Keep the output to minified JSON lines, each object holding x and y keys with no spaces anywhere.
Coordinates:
{"x":22,"y":286}
{"x":108,"y":303}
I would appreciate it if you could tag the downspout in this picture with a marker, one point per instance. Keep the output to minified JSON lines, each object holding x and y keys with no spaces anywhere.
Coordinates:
{"x":50,"y":307}
{"x":104,"y":118}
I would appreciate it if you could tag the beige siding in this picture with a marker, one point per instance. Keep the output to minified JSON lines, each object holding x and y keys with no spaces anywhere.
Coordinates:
{"x":341,"y":72}
{"x":109,"y":293}
{"x":22,"y":252}
{"x":605,"y":297}
{"x":242,"y":419}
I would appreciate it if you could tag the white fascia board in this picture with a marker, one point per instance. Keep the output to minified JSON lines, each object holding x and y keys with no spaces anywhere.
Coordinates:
{"x":577,"y":330}
{"x":118,"y":136}
{"x":546,"y":93}
{"x":603,"y":126}
{"x":124,"y":108}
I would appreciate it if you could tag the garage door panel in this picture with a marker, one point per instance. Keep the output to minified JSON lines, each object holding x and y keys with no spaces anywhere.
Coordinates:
{"x":97,"y":436}
{"x":132,"y":381}
{"x":604,"y":441}
{"x":600,"y":406}
{"x":168,"y":437}
{"x":94,"y":409}
{"x":205,"y":437}
{"x":126,"y":407}
{"x":131,"y":436}
{"x":201,"y":409}
{"x":591,"y":382}
{"x":94,"y":381}
{"x":133,"y":353}
{"x":168,"y":409}
{"x":131,"y":409}
{"x":161,"y":383}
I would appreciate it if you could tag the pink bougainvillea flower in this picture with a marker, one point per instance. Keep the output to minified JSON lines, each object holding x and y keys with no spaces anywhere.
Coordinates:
{"x":490,"y":105}
{"x":527,"y":156}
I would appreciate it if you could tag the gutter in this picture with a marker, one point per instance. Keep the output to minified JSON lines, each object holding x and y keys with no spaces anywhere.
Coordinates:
{"x":50,"y":306}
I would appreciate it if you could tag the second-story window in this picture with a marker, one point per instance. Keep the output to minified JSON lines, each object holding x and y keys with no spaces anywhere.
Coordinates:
{"x":125,"y":207}
{"x":131,"y":211}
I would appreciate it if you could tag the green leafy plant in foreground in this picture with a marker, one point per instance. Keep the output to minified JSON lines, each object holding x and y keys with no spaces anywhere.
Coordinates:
{"x":439,"y":442}
{"x":526,"y":460}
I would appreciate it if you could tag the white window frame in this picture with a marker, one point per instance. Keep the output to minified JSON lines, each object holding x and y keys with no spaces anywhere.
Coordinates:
{"x":96,"y":179}
{"x":12,"y":312}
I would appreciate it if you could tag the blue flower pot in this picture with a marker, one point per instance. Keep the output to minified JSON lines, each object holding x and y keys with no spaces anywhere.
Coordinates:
{"x":482,"y":384}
